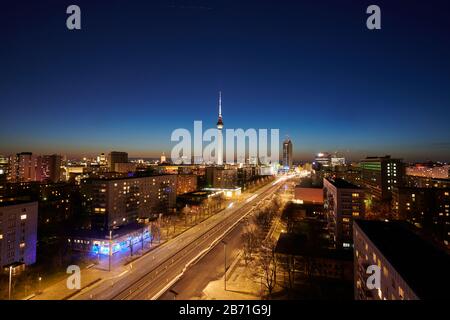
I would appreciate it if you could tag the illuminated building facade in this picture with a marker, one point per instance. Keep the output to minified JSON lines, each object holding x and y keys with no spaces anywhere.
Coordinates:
{"x":222,"y":178}
{"x":380,"y":175}
{"x":121,"y":239}
{"x":436,"y":172}
{"x":48,"y":168}
{"x":125,"y":167}
{"x":114,"y":202}
{"x":186,"y":183}
{"x":322,"y":161}
{"x":4,"y":169}
{"x":343,"y":202}
{"x":426,"y":208}
{"x":351,"y":174}
{"x":18,"y":232}
{"x":337,"y":161}
{"x":116,"y":157}
{"x":23,"y":167}
{"x":411,"y":268}
{"x":101,"y":159}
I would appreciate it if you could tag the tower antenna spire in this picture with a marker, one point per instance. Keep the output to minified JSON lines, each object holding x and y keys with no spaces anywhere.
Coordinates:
{"x":220,"y":104}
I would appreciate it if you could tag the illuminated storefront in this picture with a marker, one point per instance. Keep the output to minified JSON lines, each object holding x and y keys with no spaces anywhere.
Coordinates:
{"x":101,"y":246}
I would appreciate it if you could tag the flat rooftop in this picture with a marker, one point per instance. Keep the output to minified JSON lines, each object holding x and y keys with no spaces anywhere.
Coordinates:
{"x":106,"y":178}
{"x":342,"y":184}
{"x":104,"y":234}
{"x":5,"y":203}
{"x":421,"y":264}
{"x":297,"y":245}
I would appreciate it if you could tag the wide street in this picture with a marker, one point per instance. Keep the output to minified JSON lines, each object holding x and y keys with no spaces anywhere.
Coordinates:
{"x":151,"y":275}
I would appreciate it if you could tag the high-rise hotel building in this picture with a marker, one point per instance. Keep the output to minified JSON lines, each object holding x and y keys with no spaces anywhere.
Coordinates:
{"x":287,"y":153}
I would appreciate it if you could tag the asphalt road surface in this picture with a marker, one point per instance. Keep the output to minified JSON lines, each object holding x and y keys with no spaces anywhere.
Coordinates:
{"x":154,"y":273}
{"x":209,"y":268}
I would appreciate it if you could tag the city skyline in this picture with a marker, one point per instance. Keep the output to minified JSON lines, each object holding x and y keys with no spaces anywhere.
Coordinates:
{"x":134,"y":73}
{"x":225,"y":154}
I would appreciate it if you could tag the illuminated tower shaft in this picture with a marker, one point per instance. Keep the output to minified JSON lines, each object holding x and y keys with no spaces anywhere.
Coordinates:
{"x":219,"y":160}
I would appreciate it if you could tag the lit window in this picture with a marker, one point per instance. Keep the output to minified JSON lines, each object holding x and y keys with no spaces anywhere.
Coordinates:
{"x":1,"y":236}
{"x":23,"y":217}
{"x":385,"y":271}
{"x":400,"y":292}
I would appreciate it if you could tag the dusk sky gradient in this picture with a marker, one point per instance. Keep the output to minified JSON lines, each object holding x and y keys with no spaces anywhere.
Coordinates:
{"x":140,"y":69}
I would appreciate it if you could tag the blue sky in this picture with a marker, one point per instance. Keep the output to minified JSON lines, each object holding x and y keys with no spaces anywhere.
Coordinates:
{"x":139,"y":69}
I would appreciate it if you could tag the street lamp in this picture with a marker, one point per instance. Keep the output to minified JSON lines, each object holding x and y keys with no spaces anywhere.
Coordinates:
{"x":39,"y":284}
{"x":225,"y":264}
{"x":10,"y":282}
{"x":110,"y":249}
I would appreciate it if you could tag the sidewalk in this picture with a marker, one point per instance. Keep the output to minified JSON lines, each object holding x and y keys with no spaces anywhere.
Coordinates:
{"x":240,"y":284}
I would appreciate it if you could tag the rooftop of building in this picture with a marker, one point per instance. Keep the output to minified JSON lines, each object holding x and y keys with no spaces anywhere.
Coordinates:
{"x":6,"y":203}
{"x":419,"y":189}
{"x":297,"y":245}
{"x":379,"y":158}
{"x":307,"y":183}
{"x":341,"y":183}
{"x":109,"y":178}
{"x":421,"y":264}
{"x":117,"y":232}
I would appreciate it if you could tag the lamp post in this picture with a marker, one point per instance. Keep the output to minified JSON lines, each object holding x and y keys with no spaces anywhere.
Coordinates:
{"x":10,"y":282}
{"x":39,"y":284}
{"x":110,"y":249}
{"x":225,"y":264}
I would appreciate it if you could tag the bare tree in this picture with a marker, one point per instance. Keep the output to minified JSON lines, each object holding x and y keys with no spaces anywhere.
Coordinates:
{"x":268,"y":263}
{"x":185,"y":211}
{"x":287,"y":263}
{"x":155,"y":232}
{"x":250,"y":241}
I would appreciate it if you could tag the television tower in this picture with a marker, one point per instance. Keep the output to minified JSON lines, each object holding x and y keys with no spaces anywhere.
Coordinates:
{"x":219,"y":161}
